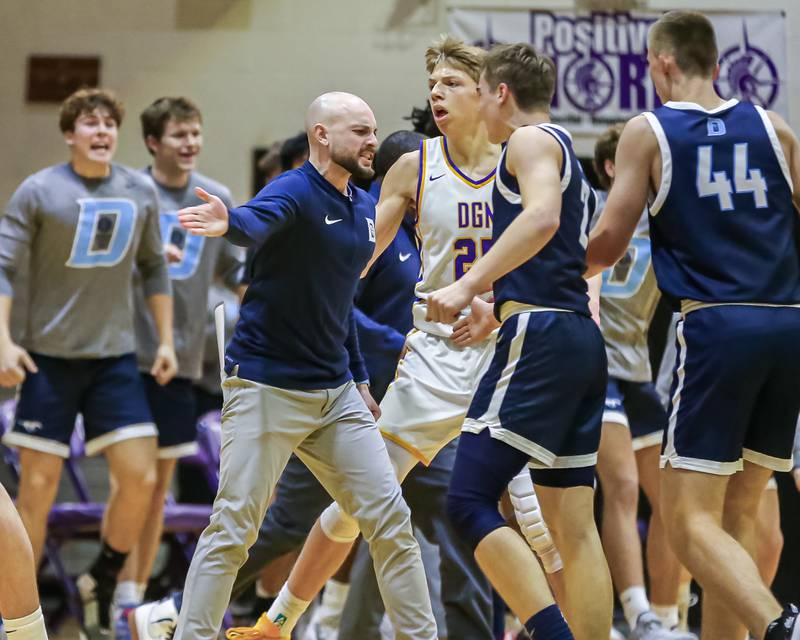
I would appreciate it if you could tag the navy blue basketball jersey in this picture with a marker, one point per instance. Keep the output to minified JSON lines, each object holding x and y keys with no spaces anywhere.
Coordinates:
{"x":553,"y":278}
{"x":723,"y":226}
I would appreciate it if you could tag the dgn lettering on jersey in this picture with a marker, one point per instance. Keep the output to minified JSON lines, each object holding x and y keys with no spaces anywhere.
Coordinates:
{"x":475,"y":214}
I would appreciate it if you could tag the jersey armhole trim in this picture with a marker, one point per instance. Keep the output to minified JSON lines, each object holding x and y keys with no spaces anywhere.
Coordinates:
{"x":502,"y":188}
{"x":666,"y":163}
{"x":566,"y":167}
{"x":776,"y":145}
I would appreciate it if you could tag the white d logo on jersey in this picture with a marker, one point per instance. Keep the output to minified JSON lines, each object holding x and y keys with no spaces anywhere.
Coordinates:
{"x":371,"y":226}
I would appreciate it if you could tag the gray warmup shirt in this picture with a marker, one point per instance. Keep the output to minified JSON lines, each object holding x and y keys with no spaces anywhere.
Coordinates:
{"x":204,"y":259}
{"x":84,"y":237}
{"x":628,"y":301}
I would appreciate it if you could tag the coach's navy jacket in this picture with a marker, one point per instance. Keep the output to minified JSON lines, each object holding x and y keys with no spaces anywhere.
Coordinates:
{"x":311,"y":242}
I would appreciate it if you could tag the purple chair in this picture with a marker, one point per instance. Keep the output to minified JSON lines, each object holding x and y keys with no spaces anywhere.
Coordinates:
{"x":82,"y":518}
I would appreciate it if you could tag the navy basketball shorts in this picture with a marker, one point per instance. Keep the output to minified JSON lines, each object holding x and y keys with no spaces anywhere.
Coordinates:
{"x":734,"y":389}
{"x":637,"y":406}
{"x":107,"y":392}
{"x":544,"y":391}
{"x":174,"y":409}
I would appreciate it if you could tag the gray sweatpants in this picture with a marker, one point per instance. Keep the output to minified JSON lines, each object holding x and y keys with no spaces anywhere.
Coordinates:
{"x":335,"y":436}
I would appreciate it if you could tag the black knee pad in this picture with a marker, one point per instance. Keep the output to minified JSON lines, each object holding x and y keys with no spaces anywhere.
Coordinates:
{"x":564,"y":478}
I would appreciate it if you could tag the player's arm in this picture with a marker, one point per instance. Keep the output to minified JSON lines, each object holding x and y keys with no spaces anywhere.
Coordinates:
{"x":389,"y":339}
{"x":152,"y":266}
{"x":535,"y":158}
{"x":230,"y":265}
{"x":398,"y":191}
{"x":636,"y":152}
{"x":796,"y":458}
{"x":17,"y":230}
{"x":231,"y":259}
{"x":791,"y":150}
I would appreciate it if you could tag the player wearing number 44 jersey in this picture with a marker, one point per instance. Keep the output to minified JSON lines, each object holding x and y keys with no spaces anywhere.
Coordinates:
{"x":633,"y":425}
{"x":724,"y":229}
{"x":86,"y":225}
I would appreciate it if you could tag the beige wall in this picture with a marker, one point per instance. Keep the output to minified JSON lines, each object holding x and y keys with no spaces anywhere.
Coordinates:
{"x":252,"y":65}
{"x":252,"y":73}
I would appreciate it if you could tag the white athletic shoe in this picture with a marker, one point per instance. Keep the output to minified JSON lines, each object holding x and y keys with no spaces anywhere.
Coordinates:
{"x":649,"y":627}
{"x":153,"y":620}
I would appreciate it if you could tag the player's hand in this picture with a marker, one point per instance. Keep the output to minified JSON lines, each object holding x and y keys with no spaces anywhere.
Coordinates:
{"x":15,"y":364}
{"x":166,"y":364}
{"x":172,"y":253}
{"x":446,"y":304}
{"x":373,"y":407}
{"x":209,"y":219}
{"x":796,"y":476}
{"x":475,"y":327}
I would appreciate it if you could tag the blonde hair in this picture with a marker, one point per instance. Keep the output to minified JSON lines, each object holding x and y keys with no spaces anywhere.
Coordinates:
{"x":461,"y":55}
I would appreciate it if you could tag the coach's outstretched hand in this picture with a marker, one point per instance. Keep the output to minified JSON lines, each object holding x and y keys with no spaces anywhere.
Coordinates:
{"x":210,"y":219}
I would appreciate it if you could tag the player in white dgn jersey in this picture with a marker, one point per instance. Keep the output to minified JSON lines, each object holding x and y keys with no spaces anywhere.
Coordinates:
{"x":450,"y":178}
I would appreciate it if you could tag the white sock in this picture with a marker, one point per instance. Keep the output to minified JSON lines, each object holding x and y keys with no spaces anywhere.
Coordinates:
{"x":668,"y":614}
{"x":286,"y":611}
{"x":634,"y":603}
{"x":30,"y":627}
{"x":684,"y":599}
{"x":333,"y":599}
{"x":127,"y":593}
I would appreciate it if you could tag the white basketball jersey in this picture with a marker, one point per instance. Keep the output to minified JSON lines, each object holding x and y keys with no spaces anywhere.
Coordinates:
{"x":455,"y":225}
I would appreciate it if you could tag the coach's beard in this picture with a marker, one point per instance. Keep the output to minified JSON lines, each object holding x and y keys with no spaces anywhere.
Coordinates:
{"x":349,"y":162}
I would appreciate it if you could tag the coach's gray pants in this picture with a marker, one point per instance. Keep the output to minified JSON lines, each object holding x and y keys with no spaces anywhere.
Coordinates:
{"x":334,"y":434}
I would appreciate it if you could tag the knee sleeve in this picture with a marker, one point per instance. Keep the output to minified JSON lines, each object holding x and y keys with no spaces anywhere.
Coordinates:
{"x":337,"y":525}
{"x":474,"y":515}
{"x":530,"y":520}
{"x":482,"y":470}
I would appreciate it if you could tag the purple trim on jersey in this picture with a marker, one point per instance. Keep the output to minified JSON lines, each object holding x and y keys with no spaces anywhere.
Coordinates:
{"x":455,"y":168}
{"x":421,"y":173}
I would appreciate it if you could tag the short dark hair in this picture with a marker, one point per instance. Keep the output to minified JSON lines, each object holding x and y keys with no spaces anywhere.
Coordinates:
{"x":294,"y":149}
{"x":529,"y":75}
{"x":85,"y":101}
{"x":606,"y":149}
{"x":394,"y":146}
{"x":155,"y":117}
{"x":690,"y":37}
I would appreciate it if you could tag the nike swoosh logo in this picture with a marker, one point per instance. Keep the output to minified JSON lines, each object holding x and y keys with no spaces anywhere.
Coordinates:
{"x":437,"y":177}
{"x":334,"y":221}
{"x":404,"y":257}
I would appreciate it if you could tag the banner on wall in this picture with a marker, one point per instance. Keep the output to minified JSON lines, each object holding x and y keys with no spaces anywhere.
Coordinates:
{"x":602,"y":58}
